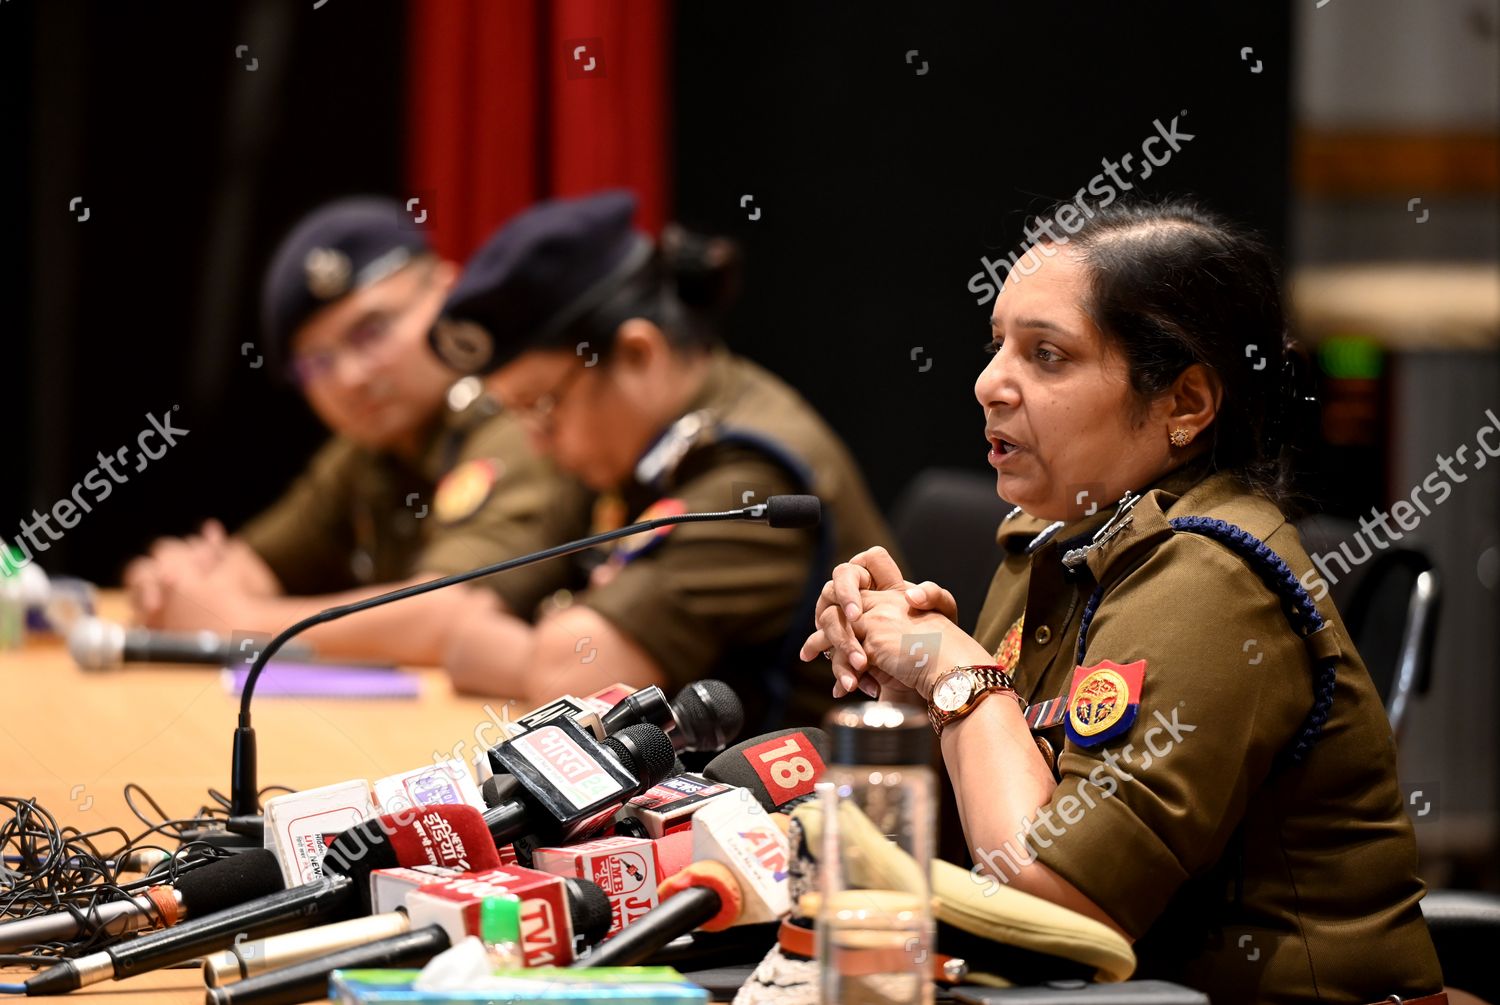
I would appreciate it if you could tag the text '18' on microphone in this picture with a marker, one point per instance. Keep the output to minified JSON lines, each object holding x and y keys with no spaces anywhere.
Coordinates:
{"x":792,"y":512}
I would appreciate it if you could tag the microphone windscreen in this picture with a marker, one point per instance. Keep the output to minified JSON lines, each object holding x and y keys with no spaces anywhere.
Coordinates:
{"x":588,"y":907}
{"x":96,"y":644}
{"x":794,"y":512}
{"x":645,"y":750}
{"x":230,"y":881}
{"x":453,"y":836}
{"x":776,"y":767}
{"x":709,"y":715}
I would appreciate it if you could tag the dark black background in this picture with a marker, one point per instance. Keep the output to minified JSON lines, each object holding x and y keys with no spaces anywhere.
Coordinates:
{"x":879,"y":190}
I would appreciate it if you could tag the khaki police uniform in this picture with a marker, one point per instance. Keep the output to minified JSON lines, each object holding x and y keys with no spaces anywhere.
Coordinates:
{"x":723,"y":599}
{"x":1252,"y":878}
{"x":477,"y":495}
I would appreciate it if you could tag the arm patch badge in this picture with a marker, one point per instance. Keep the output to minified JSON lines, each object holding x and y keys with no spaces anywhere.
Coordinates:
{"x":1104,"y":701}
{"x":464,"y":489}
{"x":630,"y":548}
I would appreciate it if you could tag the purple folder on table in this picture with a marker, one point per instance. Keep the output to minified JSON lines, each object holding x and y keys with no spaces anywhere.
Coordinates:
{"x":325,"y":680}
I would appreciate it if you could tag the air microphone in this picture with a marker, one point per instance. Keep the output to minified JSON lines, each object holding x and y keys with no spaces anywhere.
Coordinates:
{"x":96,"y":644}
{"x":793,"y":512}
{"x":221,"y":884}
{"x":432,"y":835}
{"x":778,"y":768}
{"x":738,"y":876}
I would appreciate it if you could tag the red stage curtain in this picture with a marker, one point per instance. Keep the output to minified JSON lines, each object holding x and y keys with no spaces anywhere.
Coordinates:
{"x":505,"y":107}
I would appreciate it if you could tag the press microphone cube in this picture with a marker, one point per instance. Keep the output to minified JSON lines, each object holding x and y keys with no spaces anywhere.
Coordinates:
{"x":546,"y":926}
{"x":299,"y":825}
{"x":563,"y":767}
{"x":669,"y":805}
{"x":389,"y":888}
{"x":742,"y":836}
{"x":445,"y":783}
{"x":628,"y":870}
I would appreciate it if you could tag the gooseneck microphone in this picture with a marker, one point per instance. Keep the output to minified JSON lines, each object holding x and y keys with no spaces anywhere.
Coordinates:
{"x":792,"y":512}
{"x":216,"y":886}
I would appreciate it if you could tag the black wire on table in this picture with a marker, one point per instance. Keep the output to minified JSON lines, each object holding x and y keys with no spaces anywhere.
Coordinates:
{"x":61,"y":868}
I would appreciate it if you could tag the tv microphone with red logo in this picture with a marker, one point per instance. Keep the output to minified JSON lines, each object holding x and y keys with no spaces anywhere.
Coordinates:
{"x":738,"y":877}
{"x":554,"y":912}
{"x":779,"y":768}
{"x":432,"y":835}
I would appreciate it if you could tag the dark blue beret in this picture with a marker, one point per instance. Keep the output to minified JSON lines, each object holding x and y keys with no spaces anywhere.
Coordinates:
{"x":334,"y":250}
{"x":538,"y":279}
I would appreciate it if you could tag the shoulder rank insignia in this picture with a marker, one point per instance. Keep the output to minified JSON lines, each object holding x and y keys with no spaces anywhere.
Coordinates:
{"x":1103,"y":701}
{"x":464,"y":489}
{"x":628,"y":549}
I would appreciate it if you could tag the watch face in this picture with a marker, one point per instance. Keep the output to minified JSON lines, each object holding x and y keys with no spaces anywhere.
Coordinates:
{"x":953,"y":691}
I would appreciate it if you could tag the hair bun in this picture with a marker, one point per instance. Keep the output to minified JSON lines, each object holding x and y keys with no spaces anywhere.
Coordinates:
{"x":704,"y":270}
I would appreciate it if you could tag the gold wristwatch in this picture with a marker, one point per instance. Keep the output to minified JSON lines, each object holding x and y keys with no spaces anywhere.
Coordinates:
{"x":960,"y":689}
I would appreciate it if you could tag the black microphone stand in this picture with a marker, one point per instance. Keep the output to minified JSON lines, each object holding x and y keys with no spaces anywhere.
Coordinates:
{"x":244,"y":798}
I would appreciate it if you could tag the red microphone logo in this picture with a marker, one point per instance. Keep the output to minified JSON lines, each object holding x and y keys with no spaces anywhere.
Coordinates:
{"x":788,"y":766}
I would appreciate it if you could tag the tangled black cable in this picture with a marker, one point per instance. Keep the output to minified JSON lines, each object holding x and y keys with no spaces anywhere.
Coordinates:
{"x":46,"y":867}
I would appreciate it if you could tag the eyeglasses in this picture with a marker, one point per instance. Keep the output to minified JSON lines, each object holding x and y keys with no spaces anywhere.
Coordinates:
{"x":371,"y":332}
{"x":539,"y":414}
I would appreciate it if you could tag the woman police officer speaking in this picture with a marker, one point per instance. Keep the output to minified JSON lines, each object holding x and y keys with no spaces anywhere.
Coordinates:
{"x":1223,"y":790}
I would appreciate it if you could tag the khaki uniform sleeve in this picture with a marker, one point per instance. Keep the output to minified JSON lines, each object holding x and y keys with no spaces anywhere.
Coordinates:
{"x":711,"y":586}
{"x":306,"y":536}
{"x":1227,"y":685}
{"x":530,"y":506}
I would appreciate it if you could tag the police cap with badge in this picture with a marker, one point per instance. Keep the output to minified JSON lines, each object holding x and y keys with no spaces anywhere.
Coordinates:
{"x":335,"y":250}
{"x":561,"y":274}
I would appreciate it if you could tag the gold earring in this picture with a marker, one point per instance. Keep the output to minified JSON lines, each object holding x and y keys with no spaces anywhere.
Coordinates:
{"x":1180,"y":437}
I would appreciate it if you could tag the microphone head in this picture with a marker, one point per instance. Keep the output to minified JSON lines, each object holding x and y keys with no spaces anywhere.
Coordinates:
{"x":777,"y":768}
{"x":649,"y":704}
{"x":230,"y":881}
{"x":645,"y":751}
{"x":709,"y":716}
{"x":589,"y":909}
{"x":451,"y":835}
{"x":96,"y":644}
{"x":794,"y":512}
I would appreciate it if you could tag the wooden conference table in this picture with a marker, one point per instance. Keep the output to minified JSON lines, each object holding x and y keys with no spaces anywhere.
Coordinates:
{"x":72,"y":738}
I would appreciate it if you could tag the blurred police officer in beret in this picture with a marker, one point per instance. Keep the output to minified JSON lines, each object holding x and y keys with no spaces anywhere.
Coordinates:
{"x":603,"y":344}
{"x":422,"y":476}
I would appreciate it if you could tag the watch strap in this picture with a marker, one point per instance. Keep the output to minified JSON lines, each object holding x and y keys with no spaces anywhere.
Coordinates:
{"x":988,"y":679}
